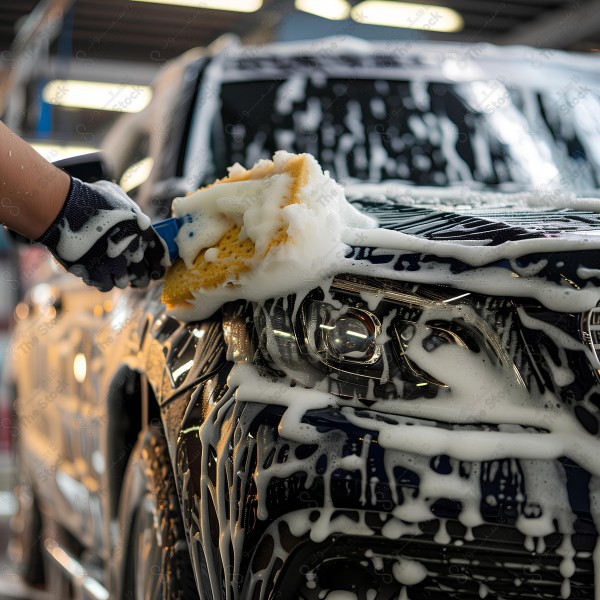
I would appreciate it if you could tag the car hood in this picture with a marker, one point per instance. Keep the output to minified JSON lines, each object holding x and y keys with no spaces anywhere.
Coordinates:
{"x":540,"y":244}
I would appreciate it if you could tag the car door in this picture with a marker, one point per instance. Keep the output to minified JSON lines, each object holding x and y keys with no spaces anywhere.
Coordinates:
{"x":57,"y":408}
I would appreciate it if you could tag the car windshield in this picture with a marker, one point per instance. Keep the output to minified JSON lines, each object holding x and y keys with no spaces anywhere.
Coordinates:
{"x":490,"y":132}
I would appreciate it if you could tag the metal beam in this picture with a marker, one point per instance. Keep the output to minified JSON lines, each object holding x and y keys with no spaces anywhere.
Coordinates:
{"x":31,"y":44}
{"x":556,"y":28}
{"x":261,"y":27}
{"x":117,"y":71}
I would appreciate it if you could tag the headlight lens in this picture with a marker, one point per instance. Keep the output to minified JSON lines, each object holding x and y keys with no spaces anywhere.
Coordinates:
{"x":357,"y":340}
{"x":352,"y":338}
{"x":346,"y":335}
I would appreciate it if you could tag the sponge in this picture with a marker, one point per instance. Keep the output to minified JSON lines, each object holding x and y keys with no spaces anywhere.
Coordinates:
{"x":235,"y":253}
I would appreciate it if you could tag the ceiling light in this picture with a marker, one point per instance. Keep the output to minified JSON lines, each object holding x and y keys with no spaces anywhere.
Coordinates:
{"x":52,"y":152}
{"x":80,"y":367}
{"x":411,"y":16}
{"x":119,"y":97}
{"x":336,"y":10}
{"x":233,"y":5}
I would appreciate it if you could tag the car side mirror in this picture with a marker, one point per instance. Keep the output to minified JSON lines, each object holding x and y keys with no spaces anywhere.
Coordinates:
{"x":87,"y":167}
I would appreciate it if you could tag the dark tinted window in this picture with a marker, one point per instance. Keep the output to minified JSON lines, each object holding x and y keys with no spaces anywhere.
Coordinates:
{"x":428,"y":133}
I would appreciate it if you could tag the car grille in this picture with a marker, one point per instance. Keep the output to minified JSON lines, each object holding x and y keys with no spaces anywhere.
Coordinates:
{"x":494,"y":565}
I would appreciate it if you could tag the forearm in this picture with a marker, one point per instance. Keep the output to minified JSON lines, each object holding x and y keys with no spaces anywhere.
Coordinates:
{"x":32,"y":191}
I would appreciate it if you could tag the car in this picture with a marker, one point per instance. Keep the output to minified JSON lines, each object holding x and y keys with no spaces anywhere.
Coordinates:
{"x":422,"y":424}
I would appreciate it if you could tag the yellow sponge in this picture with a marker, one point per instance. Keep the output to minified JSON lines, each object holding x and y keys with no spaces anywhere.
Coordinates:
{"x":234,"y":256}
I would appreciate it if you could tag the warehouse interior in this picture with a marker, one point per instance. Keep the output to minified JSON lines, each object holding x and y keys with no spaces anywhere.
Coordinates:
{"x":70,"y":70}
{"x":115,"y":42}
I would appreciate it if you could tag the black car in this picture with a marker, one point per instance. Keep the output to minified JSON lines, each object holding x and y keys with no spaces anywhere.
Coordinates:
{"x":423,"y":426}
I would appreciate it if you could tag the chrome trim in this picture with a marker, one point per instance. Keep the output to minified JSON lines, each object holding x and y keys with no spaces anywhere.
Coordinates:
{"x":470,"y":317}
{"x":590,"y":335}
{"x":402,"y":351}
{"x":345,"y":285}
{"x":85,"y":584}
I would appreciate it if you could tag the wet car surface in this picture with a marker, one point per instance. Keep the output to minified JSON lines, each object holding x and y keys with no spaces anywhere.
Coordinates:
{"x":422,"y":426}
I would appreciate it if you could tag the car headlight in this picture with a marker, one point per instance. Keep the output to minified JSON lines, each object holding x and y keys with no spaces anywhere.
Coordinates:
{"x":345,"y":335}
{"x":358,"y":339}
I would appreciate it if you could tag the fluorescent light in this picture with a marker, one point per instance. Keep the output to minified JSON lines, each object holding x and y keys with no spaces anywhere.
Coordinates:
{"x":52,"y":152}
{"x":119,"y":97}
{"x":136,"y":174}
{"x":336,"y":10}
{"x":8,"y":504}
{"x":233,"y":5}
{"x":80,"y":367}
{"x":408,"y":15}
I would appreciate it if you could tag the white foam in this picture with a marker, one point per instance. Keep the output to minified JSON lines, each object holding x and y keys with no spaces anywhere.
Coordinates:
{"x":314,"y":251}
{"x":72,"y":245}
{"x":408,"y":572}
{"x":483,"y":387}
{"x":410,"y":446}
{"x":324,"y":224}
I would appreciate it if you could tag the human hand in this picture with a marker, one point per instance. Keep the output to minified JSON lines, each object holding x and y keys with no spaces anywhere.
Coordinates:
{"x":102,"y":236}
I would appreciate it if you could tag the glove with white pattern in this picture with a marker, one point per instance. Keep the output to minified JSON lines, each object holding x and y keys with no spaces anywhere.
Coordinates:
{"x":102,"y":236}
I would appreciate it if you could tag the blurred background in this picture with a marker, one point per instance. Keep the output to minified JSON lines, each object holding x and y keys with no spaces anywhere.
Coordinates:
{"x":70,"y":68}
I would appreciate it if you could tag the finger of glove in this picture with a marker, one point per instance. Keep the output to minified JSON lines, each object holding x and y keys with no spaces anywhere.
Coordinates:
{"x":134,"y":266}
{"x":145,"y":251}
{"x":117,"y":195}
{"x":156,"y":254}
{"x":139,"y":274}
{"x":122,"y":281}
{"x":141,"y":282}
{"x":103,"y":263}
{"x":98,"y":278}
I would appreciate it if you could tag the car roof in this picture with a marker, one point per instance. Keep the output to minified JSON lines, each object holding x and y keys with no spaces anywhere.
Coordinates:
{"x":448,"y":61}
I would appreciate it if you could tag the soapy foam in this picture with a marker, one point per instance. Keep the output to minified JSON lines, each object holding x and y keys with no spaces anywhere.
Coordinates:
{"x":323,"y":225}
{"x":74,"y":244}
{"x":513,"y":408}
{"x":313,"y":225}
{"x":544,"y":479}
{"x":252,"y":205}
{"x":408,"y":440}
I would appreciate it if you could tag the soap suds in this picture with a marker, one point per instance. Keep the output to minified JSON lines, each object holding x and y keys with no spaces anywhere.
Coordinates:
{"x":324,"y":231}
{"x":314,"y":224}
{"x":527,"y":431}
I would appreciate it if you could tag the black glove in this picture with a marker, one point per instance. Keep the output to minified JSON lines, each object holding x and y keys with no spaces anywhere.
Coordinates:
{"x":102,"y":236}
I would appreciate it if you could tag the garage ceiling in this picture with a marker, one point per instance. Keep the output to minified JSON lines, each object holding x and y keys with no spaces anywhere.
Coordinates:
{"x":134,"y":31}
{"x":137,"y":31}
{"x":127,"y":41}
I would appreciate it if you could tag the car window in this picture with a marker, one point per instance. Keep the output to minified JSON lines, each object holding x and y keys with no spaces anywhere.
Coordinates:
{"x":425,"y":132}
